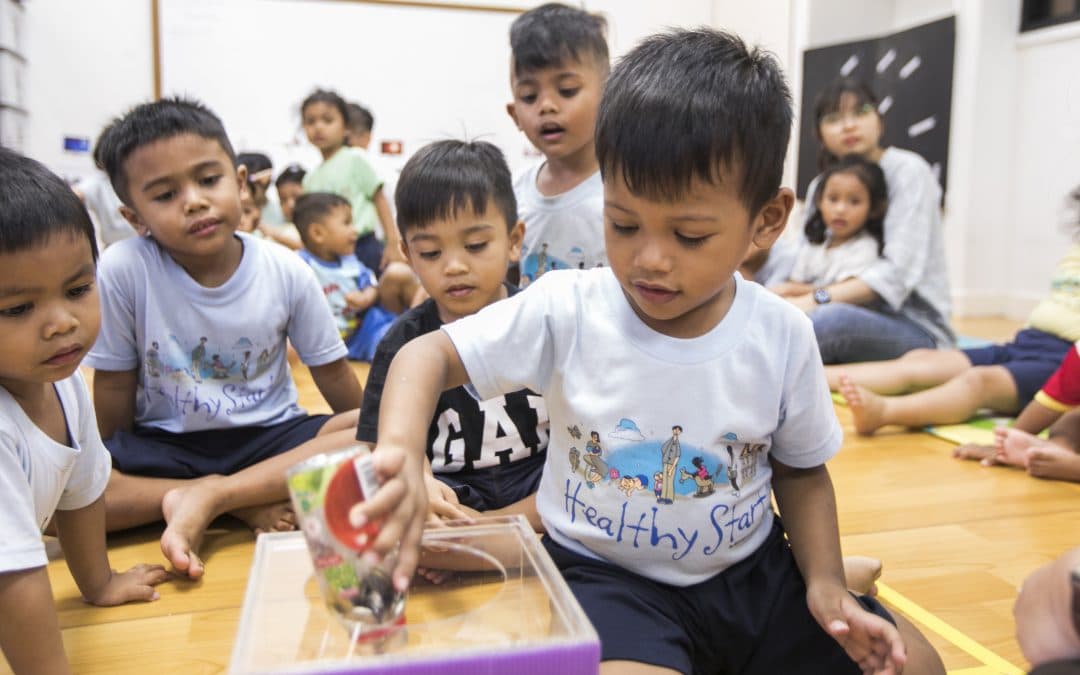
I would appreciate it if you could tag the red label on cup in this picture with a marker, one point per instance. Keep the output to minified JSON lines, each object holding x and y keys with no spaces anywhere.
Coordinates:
{"x":353,"y":481}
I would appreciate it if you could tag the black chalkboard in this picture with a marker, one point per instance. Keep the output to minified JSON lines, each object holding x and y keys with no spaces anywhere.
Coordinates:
{"x":911,"y":72}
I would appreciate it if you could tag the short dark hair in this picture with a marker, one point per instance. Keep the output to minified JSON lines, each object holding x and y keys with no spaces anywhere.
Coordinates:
{"x":445,"y":177}
{"x":873,"y":179}
{"x":359,"y":116}
{"x":328,"y":96}
{"x":150,"y":122}
{"x":311,"y":207}
{"x":36,"y":204}
{"x":254,"y":161}
{"x":294,"y":173}
{"x":682,"y":104}
{"x":553,"y":33}
{"x":828,"y":101}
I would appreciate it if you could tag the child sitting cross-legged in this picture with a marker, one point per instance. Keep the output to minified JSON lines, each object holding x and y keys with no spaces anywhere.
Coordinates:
{"x":364,"y":306}
{"x":459,"y":228}
{"x":53,"y":466}
{"x":194,"y":395}
{"x":669,"y":355}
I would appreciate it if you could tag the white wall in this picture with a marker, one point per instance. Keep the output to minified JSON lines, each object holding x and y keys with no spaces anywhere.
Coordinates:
{"x":87,"y":61}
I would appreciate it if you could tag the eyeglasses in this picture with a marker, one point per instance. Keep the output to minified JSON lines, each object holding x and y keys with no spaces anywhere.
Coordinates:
{"x":837,"y":118}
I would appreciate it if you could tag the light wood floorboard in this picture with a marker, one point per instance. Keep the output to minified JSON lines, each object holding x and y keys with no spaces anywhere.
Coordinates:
{"x":956,"y":539}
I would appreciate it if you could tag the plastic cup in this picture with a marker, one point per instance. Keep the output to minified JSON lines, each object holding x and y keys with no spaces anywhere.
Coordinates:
{"x":360,"y":594}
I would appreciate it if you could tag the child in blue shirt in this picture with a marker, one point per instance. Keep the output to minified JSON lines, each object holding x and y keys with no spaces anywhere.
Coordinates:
{"x":363,"y":305}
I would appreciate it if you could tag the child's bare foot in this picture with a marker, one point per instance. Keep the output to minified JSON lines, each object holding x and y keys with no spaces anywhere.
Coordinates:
{"x":267,"y":517}
{"x":867,"y":408}
{"x":188,"y":512}
{"x":860,"y":573}
{"x":1053,"y":462}
{"x":1014,"y":446}
{"x":981,"y":453}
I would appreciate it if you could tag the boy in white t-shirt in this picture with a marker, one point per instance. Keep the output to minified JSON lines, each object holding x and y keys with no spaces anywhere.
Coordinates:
{"x":195,"y":399}
{"x":683,"y":369}
{"x":53,"y":466}
{"x":558,"y":68}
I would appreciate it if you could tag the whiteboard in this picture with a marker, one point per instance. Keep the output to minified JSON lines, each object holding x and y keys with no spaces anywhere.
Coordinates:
{"x":427,"y":73}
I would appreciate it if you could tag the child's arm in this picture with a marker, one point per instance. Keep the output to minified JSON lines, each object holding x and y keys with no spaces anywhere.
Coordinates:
{"x":807,"y":505}
{"x":114,"y":400}
{"x":30,"y":631}
{"x":338,"y":384}
{"x":791,"y":288}
{"x":392,"y":251}
{"x":422,"y":369}
{"x":82,"y":537}
{"x":358,"y":301}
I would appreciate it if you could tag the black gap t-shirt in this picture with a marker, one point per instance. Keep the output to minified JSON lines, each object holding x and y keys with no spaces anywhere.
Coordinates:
{"x":466,"y":434}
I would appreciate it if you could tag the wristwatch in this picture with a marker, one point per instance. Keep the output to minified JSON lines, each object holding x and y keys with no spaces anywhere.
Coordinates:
{"x":822,"y":296}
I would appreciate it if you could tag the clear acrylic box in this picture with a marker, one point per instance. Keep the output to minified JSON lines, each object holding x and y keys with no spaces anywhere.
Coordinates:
{"x":505,"y":609}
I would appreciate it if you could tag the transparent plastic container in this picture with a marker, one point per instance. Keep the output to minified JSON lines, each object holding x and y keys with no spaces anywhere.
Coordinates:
{"x":501,"y":607}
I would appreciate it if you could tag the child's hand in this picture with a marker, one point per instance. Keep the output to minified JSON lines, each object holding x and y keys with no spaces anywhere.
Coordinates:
{"x":358,"y":301}
{"x":442,"y":501}
{"x":872,"y":642}
{"x":401,"y":505}
{"x":135,"y":584}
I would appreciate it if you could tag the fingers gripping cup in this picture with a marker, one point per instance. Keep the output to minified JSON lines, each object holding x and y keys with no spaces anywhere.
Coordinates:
{"x":324,"y":488}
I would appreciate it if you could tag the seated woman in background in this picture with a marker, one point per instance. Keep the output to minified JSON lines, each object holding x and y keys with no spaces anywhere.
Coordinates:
{"x":845,"y":235}
{"x":901,"y":301}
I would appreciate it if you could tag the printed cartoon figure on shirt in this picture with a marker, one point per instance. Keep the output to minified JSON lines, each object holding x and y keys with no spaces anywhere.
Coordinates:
{"x":732,"y":471}
{"x":628,"y":485}
{"x":670,"y":452}
{"x":748,"y":462}
{"x":595,"y":466}
{"x":701,"y":477}
{"x":197,"y":356}
{"x":153,"y":360}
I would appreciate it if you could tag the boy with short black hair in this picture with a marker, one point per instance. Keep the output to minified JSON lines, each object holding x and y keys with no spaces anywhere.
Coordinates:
{"x":363,"y":306}
{"x":193,"y":390}
{"x":459,"y":229}
{"x":53,"y":466}
{"x":691,"y":137}
{"x":558,"y":67}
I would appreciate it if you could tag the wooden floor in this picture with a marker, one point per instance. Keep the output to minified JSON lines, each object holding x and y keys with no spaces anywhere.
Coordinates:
{"x":956,"y":540}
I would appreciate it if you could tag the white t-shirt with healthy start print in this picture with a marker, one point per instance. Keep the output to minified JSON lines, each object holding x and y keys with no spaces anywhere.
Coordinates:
{"x":631,"y":408}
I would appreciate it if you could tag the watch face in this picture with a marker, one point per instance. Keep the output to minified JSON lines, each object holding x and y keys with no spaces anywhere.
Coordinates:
{"x":821,"y":296}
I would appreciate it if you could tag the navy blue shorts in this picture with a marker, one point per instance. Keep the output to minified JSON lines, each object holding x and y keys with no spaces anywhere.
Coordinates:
{"x":750,"y":618}
{"x":369,"y":251}
{"x":164,"y":454}
{"x":1031,"y":358}
{"x":495,"y":487}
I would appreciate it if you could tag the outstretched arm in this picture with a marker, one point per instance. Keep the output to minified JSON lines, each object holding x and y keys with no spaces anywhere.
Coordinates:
{"x":114,"y":400}
{"x":338,"y":384}
{"x":422,"y":370}
{"x":808,"y":506}
{"x":82,"y":537}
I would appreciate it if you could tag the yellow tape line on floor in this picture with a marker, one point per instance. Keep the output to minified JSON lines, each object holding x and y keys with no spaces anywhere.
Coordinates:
{"x":932,"y":623}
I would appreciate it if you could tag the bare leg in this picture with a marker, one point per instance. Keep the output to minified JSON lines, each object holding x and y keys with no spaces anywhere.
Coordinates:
{"x":861,"y":574}
{"x":397,"y":287}
{"x":190,"y":510}
{"x":632,"y":668}
{"x":1066,"y":431}
{"x":922,"y":658}
{"x":131,"y":501}
{"x":955,"y":401}
{"x":916,"y":370}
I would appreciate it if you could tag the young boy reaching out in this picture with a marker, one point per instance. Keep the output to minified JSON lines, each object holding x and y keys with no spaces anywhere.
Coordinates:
{"x":459,"y":230}
{"x":195,"y":399}
{"x":53,"y":466}
{"x":670,"y":337}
